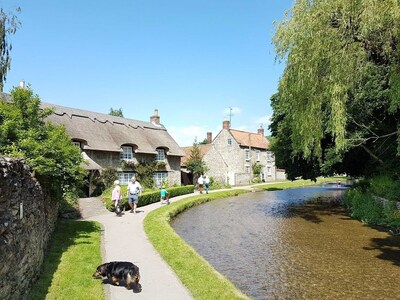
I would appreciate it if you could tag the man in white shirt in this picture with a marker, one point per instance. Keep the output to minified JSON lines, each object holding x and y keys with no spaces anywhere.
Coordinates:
{"x":133,"y":192}
{"x":200,"y":182}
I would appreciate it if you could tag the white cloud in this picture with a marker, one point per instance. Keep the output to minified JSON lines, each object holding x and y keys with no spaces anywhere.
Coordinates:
{"x":185,"y":136}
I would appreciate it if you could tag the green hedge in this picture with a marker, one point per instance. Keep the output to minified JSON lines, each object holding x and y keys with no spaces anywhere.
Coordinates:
{"x":147,"y":197}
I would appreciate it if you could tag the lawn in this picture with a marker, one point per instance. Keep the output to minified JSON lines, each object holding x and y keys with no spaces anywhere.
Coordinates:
{"x":72,"y":256}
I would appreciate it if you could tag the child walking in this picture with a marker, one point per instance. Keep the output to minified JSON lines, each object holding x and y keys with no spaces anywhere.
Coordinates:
{"x":164,"y":195}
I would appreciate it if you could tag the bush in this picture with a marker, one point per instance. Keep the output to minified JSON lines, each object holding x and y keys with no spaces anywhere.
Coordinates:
{"x":364,"y":207}
{"x":385,"y":186}
{"x":69,"y":207}
{"x":214,"y":184}
{"x":108,"y":176}
{"x":152,"y":196}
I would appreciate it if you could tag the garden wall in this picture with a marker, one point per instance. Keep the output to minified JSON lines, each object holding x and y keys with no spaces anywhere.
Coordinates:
{"x":27,"y":219}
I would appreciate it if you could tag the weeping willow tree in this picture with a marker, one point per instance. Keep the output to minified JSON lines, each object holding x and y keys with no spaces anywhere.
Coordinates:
{"x":342,"y":77}
{"x":8,"y":25}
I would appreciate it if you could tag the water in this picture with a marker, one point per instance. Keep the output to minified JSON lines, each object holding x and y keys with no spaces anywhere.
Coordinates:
{"x":278,"y":245}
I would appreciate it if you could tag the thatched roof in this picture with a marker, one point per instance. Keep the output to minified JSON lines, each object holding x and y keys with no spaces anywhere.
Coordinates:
{"x":104,"y":132}
{"x":89,"y":164}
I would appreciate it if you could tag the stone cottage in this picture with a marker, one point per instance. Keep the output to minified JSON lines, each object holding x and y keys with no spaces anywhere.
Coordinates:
{"x":231,"y":155}
{"x":114,"y":142}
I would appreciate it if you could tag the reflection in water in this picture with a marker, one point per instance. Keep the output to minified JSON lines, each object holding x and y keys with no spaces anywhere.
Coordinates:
{"x":275,"y":245}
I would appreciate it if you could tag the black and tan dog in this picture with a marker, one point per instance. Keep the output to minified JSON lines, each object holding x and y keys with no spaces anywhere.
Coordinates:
{"x":117,"y":271}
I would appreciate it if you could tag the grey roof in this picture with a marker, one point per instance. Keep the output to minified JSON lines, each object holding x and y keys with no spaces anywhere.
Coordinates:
{"x":104,"y":132}
{"x":89,"y":164}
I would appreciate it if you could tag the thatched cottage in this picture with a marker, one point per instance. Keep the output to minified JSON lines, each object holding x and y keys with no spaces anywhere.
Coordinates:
{"x":114,"y":142}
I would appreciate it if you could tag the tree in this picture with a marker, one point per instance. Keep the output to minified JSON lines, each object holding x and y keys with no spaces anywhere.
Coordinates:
{"x":116,"y":112}
{"x":47,"y":148}
{"x":8,"y":25}
{"x":340,"y":88}
{"x":195,"y":163}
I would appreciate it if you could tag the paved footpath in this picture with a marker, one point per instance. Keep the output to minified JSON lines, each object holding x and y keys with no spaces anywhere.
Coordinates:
{"x":124,"y":239}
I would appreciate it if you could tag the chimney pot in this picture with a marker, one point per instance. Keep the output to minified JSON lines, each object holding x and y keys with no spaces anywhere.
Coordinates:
{"x":260,"y":130}
{"x":155,"y":119}
{"x":209,"y":137}
{"x":226,"y":124}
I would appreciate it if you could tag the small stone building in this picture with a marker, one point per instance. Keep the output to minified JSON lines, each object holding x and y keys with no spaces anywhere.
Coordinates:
{"x":232,"y":153}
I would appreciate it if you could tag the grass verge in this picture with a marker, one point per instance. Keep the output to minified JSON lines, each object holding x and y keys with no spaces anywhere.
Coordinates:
{"x":202,"y":280}
{"x":298,"y":183}
{"x":71,"y":258}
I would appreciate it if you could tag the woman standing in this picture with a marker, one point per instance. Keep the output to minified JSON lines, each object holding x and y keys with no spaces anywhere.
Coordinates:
{"x":116,"y":196}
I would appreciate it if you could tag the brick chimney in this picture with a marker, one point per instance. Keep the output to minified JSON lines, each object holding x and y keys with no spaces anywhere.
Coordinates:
{"x":226,"y":124}
{"x":260,"y":131}
{"x":155,"y":119}
{"x":209,"y":137}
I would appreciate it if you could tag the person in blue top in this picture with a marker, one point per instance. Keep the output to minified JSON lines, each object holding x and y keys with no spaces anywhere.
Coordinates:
{"x":164,"y":195}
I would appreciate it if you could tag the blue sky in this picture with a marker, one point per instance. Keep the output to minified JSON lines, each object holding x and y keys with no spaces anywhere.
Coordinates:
{"x":192,"y":60}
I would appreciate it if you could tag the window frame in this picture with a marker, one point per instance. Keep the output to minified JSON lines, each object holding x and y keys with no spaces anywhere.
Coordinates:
{"x":158,"y":180}
{"x":124,"y":155}
{"x":159,"y":156}
{"x":125,"y":177}
{"x":247,"y":154}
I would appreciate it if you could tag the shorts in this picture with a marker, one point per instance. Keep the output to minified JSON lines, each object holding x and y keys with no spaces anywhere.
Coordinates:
{"x":133,"y":198}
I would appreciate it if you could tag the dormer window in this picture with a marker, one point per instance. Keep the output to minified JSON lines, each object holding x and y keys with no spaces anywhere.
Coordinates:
{"x":126,"y":153}
{"x":77,"y":144}
{"x":160,"y":155}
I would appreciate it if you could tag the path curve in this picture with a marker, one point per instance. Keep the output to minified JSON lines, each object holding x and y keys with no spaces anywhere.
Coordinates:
{"x":124,"y":239}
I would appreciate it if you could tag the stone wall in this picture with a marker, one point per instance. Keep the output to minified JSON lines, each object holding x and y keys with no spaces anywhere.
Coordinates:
{"x":27,"y":219}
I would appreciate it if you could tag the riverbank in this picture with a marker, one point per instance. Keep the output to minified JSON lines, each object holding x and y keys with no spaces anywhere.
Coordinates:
{"x":184,"y":261}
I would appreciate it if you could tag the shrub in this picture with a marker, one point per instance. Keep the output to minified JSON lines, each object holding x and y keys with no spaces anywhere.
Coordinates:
{"x":385,"y":186}
{"x":149,"y":197}
{"x":108,"y":176}
{"x":364,"y":207}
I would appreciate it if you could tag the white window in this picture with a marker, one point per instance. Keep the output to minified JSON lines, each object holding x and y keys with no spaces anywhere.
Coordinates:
{"x":160,"y":154}
{"x":247,"y":168}
{"x":247,"y":154}
{"x":124,"y":178}
{"x":258,"y":155}
{"x":75,"y":143}
{"x":229,"y":141}
{"x":269,"y":173}
{"x":126,"y":153}
{"x":159,"y":177}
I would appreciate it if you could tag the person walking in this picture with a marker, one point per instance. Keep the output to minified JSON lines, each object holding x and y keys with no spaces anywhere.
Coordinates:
{"x":116,"y":197}
{"x":133,"y":193}
{"x":164,"y":195}
{"x":200,"y":182}
{"x":207,"y":183}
